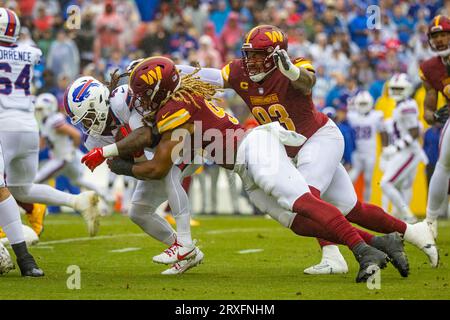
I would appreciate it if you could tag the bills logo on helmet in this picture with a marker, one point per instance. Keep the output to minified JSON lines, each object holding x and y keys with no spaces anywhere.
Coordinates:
{"x":82,"y":92}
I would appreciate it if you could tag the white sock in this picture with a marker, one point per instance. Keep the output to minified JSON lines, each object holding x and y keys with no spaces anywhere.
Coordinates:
{"x":42,"y":193}
{"x":180,"y":206}
{"x":152,"y":224}
{"x":438,"y":191}
{"x":10,"y":220}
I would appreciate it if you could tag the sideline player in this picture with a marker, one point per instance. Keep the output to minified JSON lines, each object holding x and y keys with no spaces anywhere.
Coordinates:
{"x":366,"y":122}
{"x":435,"y":75}
{"x":278,"y":89}
{"x":19,"y":133}
{"x":404,"y":154}
{"x":104,"y":116}
{"x":63,"y":141}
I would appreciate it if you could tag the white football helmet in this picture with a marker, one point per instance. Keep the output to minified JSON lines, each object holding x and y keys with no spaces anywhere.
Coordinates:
{"x":399,"y":87}
{"x":86,"y":101}
{"x":45,"y":105}
{"x":363,"y":102}
{"x":9,"y":25}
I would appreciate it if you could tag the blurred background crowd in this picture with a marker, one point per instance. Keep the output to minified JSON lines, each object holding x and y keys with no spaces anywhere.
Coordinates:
{"x":333,"y":34}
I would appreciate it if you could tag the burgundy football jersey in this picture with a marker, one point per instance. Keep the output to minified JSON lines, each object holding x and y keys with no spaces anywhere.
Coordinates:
{"x":435,"y":73}
{"x":209,"y":122}
{"x":275,"y":99}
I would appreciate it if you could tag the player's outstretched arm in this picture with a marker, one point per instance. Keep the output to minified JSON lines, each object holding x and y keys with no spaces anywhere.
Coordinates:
{"x":156,"y":168}
{"x":210,"y":75}
{"x":430,"y":103}
{"x":301,"y":78}
{"x":127,"y":147}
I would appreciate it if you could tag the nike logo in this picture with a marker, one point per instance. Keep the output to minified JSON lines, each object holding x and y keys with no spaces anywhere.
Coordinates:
{"x":165,"y":115}
{"x":182,"y":257}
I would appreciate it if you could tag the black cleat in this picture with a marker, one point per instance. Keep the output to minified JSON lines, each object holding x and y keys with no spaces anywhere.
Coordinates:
{"x":370,"y":261}
{"x":28,"y":267}
{"x":392,"y":245}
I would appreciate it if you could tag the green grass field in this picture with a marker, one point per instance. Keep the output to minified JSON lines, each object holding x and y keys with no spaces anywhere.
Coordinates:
{"x":276,"y":272}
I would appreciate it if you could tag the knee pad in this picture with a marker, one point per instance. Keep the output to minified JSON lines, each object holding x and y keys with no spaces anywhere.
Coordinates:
{"x":20,"y":193}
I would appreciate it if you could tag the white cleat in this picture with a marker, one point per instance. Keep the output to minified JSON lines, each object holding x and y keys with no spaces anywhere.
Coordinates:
{"x":6,"y":263}
{"x":332,"y":262}
{"x":421,"y":235}
{"x":433,"y":225}
{"x":87,"y":204}
{"x":183,"y":266}
{"x":175,"y":253}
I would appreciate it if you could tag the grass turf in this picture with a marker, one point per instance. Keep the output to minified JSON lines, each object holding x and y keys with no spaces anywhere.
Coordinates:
{"x":274,"y":273}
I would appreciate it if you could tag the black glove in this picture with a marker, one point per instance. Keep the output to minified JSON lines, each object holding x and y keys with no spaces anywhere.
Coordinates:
{"x":121,"y":167}
{"x":441,"y":115}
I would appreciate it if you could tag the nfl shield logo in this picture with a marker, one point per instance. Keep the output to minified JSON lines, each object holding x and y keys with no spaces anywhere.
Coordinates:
{"x":261,"y":90}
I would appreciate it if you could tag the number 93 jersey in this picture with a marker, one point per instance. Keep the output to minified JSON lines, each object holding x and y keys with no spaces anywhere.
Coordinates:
{"x":16,"y":73}
{"x":275,"y":99}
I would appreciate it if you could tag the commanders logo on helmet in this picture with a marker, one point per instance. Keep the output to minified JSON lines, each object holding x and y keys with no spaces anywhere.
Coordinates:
{"x":257,"y":50}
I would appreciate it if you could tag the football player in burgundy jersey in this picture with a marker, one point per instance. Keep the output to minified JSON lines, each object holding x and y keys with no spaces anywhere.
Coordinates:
{"x":435,"y":75}
{"x":278,"y":89}
{"x":184,"y":105}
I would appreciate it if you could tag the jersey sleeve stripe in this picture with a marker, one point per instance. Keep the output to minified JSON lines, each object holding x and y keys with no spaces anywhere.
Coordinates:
{"x":174,"y":120}
{"x":305,"y":64}
{"x":226,"y":72}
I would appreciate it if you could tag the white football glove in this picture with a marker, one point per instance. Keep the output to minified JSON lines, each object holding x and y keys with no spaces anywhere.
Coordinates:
{"x":285,"y":65}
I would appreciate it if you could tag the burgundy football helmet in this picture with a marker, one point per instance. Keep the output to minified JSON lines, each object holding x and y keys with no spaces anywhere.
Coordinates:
{"x":151,"y":82}
{"x":258,"y":49}
{"x":439,"y":35}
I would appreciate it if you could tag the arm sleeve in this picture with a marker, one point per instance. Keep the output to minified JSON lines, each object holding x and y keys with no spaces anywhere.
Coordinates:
{"x":210,"y":75}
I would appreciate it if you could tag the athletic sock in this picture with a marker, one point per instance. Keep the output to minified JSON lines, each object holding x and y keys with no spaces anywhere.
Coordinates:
{"x":374,"y":218}
{"x":10,"y":220}
{"x":328,"y":217}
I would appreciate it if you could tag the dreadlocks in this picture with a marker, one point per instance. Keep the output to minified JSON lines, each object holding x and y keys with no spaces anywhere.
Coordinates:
{"x":191,"y":86}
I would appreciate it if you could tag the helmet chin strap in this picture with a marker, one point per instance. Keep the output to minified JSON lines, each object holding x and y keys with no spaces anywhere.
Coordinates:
{"x":260,"y":76}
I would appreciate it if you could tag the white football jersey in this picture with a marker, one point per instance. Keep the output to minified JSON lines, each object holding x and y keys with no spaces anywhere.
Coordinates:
{"x":17,"y":63}
{"x":366,"y":127}
{"x":121,"y":113}
{"x":61,"y":146}
{"x":405,"y":117}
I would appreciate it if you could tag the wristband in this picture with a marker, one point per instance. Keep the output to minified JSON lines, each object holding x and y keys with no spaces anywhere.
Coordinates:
{"x":110,"y":151}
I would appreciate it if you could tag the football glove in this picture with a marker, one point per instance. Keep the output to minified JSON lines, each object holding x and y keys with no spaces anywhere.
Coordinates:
{"x":285,"y":65}
{"x":441,"y":115}
{"x":121,"y":167}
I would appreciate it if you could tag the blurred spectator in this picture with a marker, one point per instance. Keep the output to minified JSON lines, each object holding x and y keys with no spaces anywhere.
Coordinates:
{"x":358,"y":27}
{"x":155,"y":39}
{"x":330,"y":19}
{"x":49,"y":83}
{"x":323,"y":85}
{"x":232,"y":34}
{"x":109,"y":27}
{"x":198,"y":14}
{"x":207,"y":55}
{"x":320,"y":49}
{"x":63,"y":56}
{"x":403,"y":23}
{"x":219,"y":14}
{"x":382,"y":74}
{"x":181,"y":41}
{"x":43,"y":21}
{"x":298,"y":44}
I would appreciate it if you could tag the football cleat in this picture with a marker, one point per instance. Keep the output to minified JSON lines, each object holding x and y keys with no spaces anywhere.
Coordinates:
{"x":433,"y":225}
{"x":6,"y":263}
{"x":86,"y":203}
{"x":332,"y":263}
{"x":28,"y":267}
{"x":420,"y":235}
{"x":175,"y":253}
{"x":36,"y":217}
{"x":370,"y":261}
{"x":392,"y":245}
{"x":183,"y":266}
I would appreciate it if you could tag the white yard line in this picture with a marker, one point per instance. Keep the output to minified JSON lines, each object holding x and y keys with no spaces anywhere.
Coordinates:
{"x":250,"y":251}
{"x":237,"y":230}
{"x":125,"y":250}
{"x":69,"y":240}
